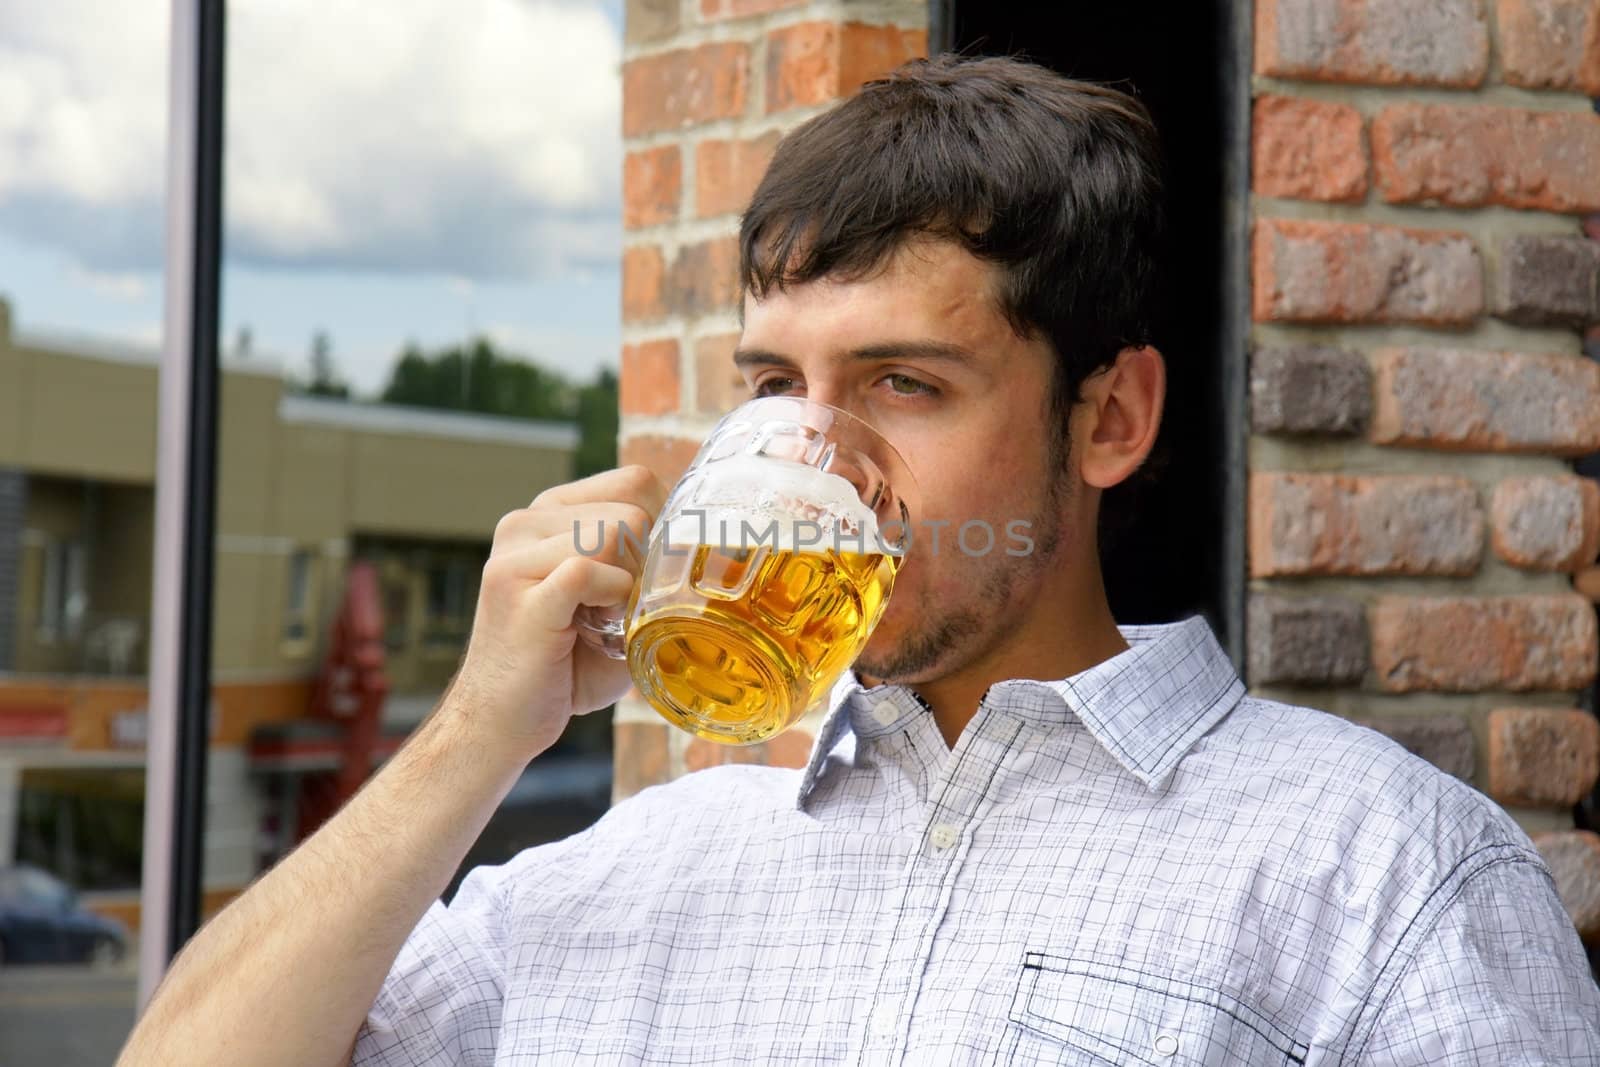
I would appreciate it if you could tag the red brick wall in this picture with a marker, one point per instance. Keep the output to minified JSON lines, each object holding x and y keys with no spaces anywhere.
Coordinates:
{"x":708,"y":87}
{"x":1422,"y":555}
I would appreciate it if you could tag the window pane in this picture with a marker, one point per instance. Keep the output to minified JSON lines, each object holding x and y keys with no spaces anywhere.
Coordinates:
{"x":81,"y":256}
{"x":52,"y":571}
{"x":420,"y":333}
{"x":296,"y":621}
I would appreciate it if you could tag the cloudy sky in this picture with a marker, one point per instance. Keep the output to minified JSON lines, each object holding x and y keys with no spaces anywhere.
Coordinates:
{"x":404,"y":170}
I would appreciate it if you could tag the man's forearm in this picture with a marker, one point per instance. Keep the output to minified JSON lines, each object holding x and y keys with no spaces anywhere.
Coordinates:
{"x":286,"y":973}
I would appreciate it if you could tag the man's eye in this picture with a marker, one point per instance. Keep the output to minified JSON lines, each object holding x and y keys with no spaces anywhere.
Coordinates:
{"x":904,"y":385}
{"x":773,"y":386}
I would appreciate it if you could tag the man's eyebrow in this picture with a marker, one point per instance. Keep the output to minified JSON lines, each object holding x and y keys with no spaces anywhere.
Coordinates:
{"x":747,"y":357}
{"x":878,"y":353}
{"x":938,"y":350}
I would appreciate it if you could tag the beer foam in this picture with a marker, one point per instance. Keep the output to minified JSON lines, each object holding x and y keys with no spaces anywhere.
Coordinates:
{"x":749,"y":500}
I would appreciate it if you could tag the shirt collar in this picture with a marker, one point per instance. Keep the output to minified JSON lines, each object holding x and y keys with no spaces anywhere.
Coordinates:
{"x":1147,"y":705}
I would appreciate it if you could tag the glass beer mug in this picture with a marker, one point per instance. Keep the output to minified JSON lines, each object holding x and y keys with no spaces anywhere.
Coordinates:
{"x":766,"y":571}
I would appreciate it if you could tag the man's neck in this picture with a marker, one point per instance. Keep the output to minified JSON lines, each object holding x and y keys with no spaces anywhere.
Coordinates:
{"x":1057,"y":636}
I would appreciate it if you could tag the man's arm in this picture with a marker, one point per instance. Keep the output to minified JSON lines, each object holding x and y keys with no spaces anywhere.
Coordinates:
{"x":288,"y":972}
{"x":1499,"y":977}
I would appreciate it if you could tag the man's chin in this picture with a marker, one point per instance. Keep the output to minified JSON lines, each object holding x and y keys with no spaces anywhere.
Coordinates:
{"x":897,"y":659}
{"x":881,"y":652}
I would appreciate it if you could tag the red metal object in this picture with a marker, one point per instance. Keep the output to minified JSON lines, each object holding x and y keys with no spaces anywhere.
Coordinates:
{"x":350,"y":689}
{"x":33,"y":722}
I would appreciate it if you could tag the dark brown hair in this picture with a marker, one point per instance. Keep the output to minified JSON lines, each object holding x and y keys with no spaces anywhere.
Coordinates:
{"x":1058,"y":182}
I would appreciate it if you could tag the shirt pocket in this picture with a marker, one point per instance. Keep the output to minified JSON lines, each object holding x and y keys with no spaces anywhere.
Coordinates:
{"x":1074,"y":1012}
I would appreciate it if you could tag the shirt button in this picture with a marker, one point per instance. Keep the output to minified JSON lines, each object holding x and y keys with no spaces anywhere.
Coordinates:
{"x":882,"y":1020}
{"x":1167,"y":1045}
{"x":944,"y":835}
{"x":885,"y":712}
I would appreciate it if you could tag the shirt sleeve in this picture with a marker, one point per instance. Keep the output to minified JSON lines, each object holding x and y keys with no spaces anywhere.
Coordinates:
{"x":441,"y":1003}
{"x":1500,"y":978}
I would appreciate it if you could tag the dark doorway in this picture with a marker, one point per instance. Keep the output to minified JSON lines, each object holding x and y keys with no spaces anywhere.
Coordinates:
{"x":1181,"y":548}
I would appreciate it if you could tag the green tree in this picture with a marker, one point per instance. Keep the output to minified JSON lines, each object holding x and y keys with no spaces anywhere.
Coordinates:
{"x":325,"y":380}
{"x":597,"y":425}
{"x":480,"y":377}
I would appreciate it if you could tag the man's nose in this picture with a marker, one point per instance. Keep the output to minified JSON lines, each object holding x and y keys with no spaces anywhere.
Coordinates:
{"x":829,"y":391}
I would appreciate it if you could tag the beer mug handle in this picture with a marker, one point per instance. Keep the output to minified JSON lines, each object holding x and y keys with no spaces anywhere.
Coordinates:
{"x":603,"y":628}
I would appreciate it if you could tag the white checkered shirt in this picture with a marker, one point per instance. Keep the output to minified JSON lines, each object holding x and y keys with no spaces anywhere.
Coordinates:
{"x":1139,"y":864}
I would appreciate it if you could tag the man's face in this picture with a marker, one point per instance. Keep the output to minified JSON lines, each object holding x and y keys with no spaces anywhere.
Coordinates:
{"x":922,"y":353}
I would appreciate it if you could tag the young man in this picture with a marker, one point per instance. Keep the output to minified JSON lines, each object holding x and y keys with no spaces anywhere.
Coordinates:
{"x":1025,"y":835}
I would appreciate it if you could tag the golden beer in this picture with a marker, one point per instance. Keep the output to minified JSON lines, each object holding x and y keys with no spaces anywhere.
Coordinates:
{"x":734,"y":644}
{"x":767,"y":569}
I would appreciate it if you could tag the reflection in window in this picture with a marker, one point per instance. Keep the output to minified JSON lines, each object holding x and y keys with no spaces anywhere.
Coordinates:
{"x":450,"y":601}
{"x":297,"y":609}
{"x":63,"y":592}
{"x":85,"y":825}
{"x":396,"y":609}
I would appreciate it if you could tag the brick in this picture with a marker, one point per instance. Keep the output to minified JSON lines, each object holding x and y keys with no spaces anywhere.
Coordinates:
{"x":727,"y":172}
{"x":1309,"y":389}
{"x":1472,"y":644}
{"x":650,"y":378}
{"x":650,"y":20}
{"x":1550,"y":44}
{"x":1548,"y":281}
{"x":682,"y":88}
{"x":702,"y":754}
{"x":1574,"y":859}
{"x":1542,"y":757}
{"x":1587,"y":583}
{"x":1546,"y":523}
{"x":667,"y":457}
{"x":1321,"y":524}
{"x":639,"y":757}
{"x":643,"y":281}
{"x":1346,"y":272}
{"x":1307,"y":150}
{"x":719,"y":387}
{"x":1464,"y":400}
{"x":1443,"y":740}
{"x":713,"y":10}
{"x":652,"y":186}
{"x":704,"y":277}
{"x":1387,"y":42}
{"x":1471,"y":156}
{"x":789,"y":749}
{"x":1315,"y":640}
{"x":815,"y":62}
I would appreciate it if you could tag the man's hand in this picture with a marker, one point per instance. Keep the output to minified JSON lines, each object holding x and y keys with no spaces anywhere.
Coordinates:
{"x":335,"y":912}
{"x":526,"y":671}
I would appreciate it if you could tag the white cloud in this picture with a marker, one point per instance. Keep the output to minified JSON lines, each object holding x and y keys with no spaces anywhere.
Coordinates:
{"x":119,"y":285}
{"x":476,"y":138}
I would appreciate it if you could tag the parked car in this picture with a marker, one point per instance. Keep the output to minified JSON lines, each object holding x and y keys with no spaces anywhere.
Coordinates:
{"x":41,"y":921}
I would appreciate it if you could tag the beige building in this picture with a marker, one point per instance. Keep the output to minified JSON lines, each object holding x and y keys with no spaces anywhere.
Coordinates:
{"x":305,"y":486}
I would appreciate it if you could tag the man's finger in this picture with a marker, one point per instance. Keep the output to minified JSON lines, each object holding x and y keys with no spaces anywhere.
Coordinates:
{"x":614,"y":533}
{"x":577,"y":581}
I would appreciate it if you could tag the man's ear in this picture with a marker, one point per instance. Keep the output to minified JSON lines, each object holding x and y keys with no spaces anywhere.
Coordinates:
{"x":1121,"y":416}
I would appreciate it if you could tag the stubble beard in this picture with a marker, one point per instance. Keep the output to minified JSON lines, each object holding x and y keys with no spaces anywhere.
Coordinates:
{"x":943,"y":644}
